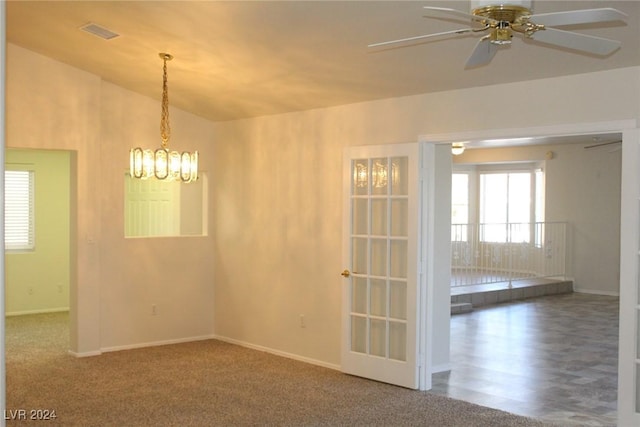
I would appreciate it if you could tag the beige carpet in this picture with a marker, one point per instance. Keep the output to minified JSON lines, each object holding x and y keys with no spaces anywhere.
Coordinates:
{"x":207,"y":383}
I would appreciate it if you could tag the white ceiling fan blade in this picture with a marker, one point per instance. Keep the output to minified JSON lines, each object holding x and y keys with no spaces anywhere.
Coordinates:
{"x":573,"y":17}
{"x":577,"y":41}
{"x":444,"y":11}
{"x":417,"y":38}
{"x":483,"y":53}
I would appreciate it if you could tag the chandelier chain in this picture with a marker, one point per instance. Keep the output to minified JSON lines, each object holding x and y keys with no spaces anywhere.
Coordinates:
{"x":165,"y":127}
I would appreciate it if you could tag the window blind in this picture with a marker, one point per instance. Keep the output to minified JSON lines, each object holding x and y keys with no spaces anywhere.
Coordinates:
{"x":19,"y":210}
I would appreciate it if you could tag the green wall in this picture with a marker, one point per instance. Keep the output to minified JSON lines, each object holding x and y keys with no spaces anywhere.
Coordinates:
{"x":38,"y":281}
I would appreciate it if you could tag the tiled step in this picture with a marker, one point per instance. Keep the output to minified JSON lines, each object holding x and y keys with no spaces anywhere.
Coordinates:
{"x":462,"y":307}
{"x":478,"y":298}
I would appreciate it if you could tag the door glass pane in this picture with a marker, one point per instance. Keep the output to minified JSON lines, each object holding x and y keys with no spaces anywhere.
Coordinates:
{"x":397,"y":341}
{"x":379,"y":257}
{"x":359,"y":256}
{"x":398,"y":258}
{"x":398,"y":300}
{"x":360,"y":179}
{"x":379,"y":217}
{"x":359,"y":296}
{"x":400,"y":176}
{"x":378,"y":337}
{"x":378,"y":297}
{"x":379,"y":176}
{"x":399,"y":217}
{"x":359,"y":334}
{"x":360,"y":216}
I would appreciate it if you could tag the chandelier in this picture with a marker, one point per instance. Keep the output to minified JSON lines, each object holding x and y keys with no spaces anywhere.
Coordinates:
{"x":162,"y":163}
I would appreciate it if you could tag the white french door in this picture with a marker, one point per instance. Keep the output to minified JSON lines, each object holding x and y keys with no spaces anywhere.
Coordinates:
{"x":380,"y":252}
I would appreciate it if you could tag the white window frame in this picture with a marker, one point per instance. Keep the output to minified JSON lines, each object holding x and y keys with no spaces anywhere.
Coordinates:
{"x":507,"y":231}
{"x":534,"y":168}
{"x":19,"y":212}
{"x":460,"y":233}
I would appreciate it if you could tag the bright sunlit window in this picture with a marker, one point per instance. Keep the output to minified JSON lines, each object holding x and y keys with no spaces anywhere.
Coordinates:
{"x":505,"y":206}
{"x":508,"y":200}
{"x":19,"y":210}
{"x":459,"y":206}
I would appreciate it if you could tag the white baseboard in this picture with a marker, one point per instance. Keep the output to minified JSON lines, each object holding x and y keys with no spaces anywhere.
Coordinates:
{"x":42,"y":311}
{"x":279,"y":353}
{"x":155,"y":343}
{"x":85,"y":354}
{"x":209,"y":337}
{"x":596,"y":292}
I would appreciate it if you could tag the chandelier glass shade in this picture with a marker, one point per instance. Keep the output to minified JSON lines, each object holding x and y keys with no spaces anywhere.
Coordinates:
{"x":163,"y":163}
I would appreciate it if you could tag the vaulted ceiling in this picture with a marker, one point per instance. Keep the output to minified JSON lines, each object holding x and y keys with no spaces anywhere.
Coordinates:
{"x":238,"y":59}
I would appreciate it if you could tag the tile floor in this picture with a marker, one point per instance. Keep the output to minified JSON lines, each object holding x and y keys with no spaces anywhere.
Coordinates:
{"x":553,"y":358}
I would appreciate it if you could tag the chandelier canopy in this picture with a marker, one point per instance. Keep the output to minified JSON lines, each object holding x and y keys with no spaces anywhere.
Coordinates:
{"x":162,"y":163}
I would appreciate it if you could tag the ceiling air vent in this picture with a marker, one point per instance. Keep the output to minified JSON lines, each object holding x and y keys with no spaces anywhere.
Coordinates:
{"x":99,"y":31}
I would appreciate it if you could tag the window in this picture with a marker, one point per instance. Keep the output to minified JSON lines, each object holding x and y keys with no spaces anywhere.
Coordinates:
{"x":508,"y":200}
{"x":505,"y":206}
{"x":539,"y":207}
{"x":459,"y":206}
{"x":19,"y":211}
{"x":459,"y":198}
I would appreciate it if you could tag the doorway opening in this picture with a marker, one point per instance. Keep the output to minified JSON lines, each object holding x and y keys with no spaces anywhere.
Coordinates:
{"x":583,"y":181}
{"x":39,"y":276}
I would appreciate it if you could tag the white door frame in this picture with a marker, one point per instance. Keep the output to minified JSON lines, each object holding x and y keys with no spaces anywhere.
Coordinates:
{"x":435,"y":257}
{"x":629,"y":241}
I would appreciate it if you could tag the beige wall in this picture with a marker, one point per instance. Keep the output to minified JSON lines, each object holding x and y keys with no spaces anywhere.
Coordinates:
{"x":583,"y":188}
{"x":275,"y":205}
{"x":38,"y":280}
{"x":115,"y":281}
{"x":278,"y":194}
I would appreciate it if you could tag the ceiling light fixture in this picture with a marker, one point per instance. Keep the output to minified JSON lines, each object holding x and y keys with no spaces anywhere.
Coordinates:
{"x":162,"y":163}
{"x":457,"y":148}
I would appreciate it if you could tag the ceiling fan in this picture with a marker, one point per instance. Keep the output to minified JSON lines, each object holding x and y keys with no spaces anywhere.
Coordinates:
{"x":501,"y":19}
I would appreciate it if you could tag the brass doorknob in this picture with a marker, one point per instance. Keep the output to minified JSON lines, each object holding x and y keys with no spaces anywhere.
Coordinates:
{"x":345,"y":273}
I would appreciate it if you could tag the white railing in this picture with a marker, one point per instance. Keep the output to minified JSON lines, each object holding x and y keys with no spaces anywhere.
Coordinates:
{"x":490,"y":253}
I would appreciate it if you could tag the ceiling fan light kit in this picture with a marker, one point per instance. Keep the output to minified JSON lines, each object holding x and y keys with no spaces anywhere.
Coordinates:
{"x":502,"y":19}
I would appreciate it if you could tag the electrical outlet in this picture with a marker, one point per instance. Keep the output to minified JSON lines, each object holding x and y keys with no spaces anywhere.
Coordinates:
{"x":303,"y":324}
{"x":30,"y":290}
{"x":154,"y":310}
